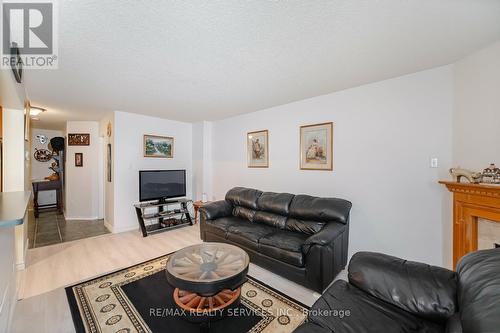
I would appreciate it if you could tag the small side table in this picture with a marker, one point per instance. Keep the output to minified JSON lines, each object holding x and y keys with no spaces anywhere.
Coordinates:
{"x":196,"y":206}
{"x":47,"y":185}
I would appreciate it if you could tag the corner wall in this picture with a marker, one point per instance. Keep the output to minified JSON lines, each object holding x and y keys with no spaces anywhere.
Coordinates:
{"x":82,"y":183}
{"x":384,"y":136}
{"x":476,"y":121}
{"x":129,"y":129}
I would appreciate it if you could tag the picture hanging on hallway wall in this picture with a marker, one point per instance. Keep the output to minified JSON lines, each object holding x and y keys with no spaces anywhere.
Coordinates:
{"x":158,"y":146}
{"x":316,"y":147}
{"x":78,"y":139}
{"x":108,"y":162}
{"x":79,"y":159}
{"x":258,"y":149}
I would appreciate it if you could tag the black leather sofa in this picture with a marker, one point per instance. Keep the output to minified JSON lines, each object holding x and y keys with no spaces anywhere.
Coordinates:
{"x":388,"y":294}
{"x":300,"y":237}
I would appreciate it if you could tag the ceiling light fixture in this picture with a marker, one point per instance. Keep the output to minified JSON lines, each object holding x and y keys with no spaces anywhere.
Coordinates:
{"x":35,"y":110}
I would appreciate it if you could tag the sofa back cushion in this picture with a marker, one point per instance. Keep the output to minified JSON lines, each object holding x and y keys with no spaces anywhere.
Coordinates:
{"x":479,"y":291}
{"x":271,"y":219}
{"x":277,"y":203}
{"x":244,"y":197}
{"x":304,"y":226}
{"x":426,"y":291}
{"x":244,"y":213}
{"x":308,"y":208}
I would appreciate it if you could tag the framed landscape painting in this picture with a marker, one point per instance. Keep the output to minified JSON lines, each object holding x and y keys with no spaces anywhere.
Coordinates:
{"x":258,"y":149}
{"x":316,"y":147}
{"x":158,"y":146}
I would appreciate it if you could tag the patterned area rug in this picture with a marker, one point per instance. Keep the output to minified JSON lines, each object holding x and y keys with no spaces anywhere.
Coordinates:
{"x":139,"y":299}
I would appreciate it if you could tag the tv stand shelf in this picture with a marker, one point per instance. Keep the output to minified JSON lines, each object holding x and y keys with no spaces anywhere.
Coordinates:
{"x":164,"y":218}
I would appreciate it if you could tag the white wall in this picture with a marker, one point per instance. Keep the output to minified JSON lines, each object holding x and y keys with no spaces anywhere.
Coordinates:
{"x":384,"y":136}
{"x":476,"y":121}
{"x":40,"y":170}
{"x":82,"y":183}
{"x":202,"y":160}
{"x":13,"y":158}
{"x":129,"y":129}
{"x":108,"y":186}
{"x":12,"y":240}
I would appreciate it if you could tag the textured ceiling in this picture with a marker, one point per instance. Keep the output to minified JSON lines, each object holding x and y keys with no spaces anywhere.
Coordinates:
{"x":205,"y":60}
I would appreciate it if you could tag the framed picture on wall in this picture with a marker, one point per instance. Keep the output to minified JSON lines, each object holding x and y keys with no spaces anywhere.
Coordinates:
{"x":316,"y":147}
{"x":78,"y":139}
{"x":258,"y":149}
{"x":108,"y":162}
{"x":158,"y":146}
{"x":78,"y":159}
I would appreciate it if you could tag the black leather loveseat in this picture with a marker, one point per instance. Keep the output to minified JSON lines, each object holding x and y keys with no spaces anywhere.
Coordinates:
{"x":389,"y":295}
{"x":300,"y":237}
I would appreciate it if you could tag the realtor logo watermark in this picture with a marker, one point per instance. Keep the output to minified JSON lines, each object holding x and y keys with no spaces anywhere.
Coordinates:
{"x":29,"y":34}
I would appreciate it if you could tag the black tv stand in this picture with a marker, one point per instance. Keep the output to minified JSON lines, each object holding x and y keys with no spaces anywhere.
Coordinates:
{"x":164,"y":218}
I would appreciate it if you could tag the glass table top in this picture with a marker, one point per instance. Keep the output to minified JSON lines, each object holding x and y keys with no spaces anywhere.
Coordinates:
{"x":207,"y":262}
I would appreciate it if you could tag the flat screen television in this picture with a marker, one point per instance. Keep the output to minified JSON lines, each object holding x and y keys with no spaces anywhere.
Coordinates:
{"x":161,"y":184}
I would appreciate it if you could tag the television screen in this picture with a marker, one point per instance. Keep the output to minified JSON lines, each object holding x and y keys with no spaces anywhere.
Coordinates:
{"x":161,"y":184}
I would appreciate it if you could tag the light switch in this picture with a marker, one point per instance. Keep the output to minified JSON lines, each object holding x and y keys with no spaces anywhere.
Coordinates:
{"x":434,"y":162}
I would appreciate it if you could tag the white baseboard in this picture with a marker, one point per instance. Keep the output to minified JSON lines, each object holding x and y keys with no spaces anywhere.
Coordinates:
{"x":70,"y":218}
{"x":125,"y":229}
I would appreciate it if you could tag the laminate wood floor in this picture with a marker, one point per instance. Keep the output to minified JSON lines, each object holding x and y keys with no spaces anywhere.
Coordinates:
{"x":43,"y":306}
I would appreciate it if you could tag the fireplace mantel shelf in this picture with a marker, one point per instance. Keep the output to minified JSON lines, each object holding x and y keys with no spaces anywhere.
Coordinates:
{"x":470,"y":202}
{"x":475,"y":189}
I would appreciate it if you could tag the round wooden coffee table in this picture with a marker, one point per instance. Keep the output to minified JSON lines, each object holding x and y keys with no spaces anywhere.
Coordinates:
{"x":207,"y":278}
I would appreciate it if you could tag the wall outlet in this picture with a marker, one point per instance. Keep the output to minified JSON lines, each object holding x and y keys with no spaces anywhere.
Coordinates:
{"x":434,"y":162}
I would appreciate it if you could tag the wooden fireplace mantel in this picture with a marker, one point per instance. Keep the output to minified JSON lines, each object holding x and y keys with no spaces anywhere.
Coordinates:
{"x":470,"y":202}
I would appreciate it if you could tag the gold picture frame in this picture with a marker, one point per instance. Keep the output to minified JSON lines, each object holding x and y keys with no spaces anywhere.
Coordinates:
{"x":316,"y":147}
{"x":258,"y":149}
{"x":158,"y":146}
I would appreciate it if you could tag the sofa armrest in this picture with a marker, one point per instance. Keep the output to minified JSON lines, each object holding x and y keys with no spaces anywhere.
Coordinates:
{"x":216,"y":209}
{"x":426,"y":291}
{"x":325,"y":236}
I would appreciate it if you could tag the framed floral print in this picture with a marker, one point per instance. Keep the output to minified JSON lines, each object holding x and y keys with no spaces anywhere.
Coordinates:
{"x":258,"y":149}
{"x":316,"y":147}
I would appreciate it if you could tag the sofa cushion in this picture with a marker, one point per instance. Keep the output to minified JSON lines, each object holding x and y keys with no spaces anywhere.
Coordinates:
{"x":245,"y":197}
{"x":278,"y":203}
{"x":286,"y":240}
{"x":290,"y":257}
{"x":479,"y":291}
{"x":248,"y":235}
{"x":244,"y":213}
{"x":366,"y":313}
{"x":285,"y":246}
{"x":304,"y":227}
{"x":271,"y":219}
{"x":308,"y":208}
{"x":221,"y":225}
{"x":424,"y":290}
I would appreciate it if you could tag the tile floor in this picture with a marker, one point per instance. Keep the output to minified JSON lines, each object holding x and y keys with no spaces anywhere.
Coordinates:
{"x":52,"y":228}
